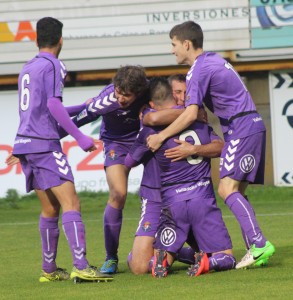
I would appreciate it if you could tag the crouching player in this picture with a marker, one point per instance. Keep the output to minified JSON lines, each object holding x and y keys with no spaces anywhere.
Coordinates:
{"x":188,"y":200}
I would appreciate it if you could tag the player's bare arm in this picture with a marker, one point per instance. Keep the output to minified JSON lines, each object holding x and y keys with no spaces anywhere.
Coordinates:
{"x":189,"y":115}
{"x":185,"y":149}
{"x":162,"y":117}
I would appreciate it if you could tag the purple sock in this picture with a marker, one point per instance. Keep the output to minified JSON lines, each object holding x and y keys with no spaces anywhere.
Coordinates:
{"x":245,"y":238}
{"x":244,"y":213}
{"x":75,"y":233}
{"x":49,"y":235}
{"x":222,"y":262}
{"x":186,"y":255}
{"x":112,"y":228}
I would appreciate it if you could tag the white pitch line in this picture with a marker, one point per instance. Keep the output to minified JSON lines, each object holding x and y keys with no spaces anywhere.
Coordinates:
{"x":131,"y":219}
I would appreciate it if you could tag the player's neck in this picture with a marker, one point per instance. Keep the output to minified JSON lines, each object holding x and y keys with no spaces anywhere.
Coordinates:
{"x":195,"y":55}
{"x":52,"y":51}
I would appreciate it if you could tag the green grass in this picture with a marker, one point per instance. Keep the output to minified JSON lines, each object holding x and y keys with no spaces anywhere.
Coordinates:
{"x":20,"y":255}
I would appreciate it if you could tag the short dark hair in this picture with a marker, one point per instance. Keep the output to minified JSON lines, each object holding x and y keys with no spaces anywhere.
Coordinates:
{"x":177,"y":77}
{"x":188,"y":31}
{"x":49,"y":32}
{"x":131,"y":79}
{"x":160,"y":90}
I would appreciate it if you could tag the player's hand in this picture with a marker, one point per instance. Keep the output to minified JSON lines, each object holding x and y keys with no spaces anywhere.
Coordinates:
{"x":154,"y":142}
{"x":11,"y":160}
{"x":182,"y":151}
{"x":87,"y":143}
{"x":97,"y":144}
{"x":202,"y":115}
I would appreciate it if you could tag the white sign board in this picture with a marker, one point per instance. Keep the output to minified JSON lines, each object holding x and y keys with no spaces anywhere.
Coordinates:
{"x":281,"y":97}
{"x":88,"y":168}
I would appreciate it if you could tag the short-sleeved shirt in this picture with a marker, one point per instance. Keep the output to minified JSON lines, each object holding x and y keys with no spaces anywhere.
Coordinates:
{"x":40,"y":79}
{"x":213,"y":81}
{"x":118,"y":124}
{"x":184,"y":179}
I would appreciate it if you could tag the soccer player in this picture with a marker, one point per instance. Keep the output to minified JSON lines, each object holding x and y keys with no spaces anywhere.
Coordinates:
{"x":188,"y":200}
{"x":178,"y":84}
{"x":119,"y":105}
{"x":140,"y":258}
{"x":37,"y":145}
{"x":213,"y":81}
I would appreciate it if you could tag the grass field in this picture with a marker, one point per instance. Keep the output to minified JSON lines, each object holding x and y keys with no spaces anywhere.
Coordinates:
{"x":20,"y":255}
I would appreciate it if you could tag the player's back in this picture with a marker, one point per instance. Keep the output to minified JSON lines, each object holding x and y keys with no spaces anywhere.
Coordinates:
{"x":190,"y":169}
{"x":40,"y":79}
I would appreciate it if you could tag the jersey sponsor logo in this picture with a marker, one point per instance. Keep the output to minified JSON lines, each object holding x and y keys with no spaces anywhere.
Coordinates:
{"x":168,"y":236}
{"x":124,"y":113}
{"x":22,"y":141}
{"x":247,"y":163}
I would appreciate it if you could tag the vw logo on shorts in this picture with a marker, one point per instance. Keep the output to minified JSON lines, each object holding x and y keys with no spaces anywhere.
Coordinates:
{"x":247,"y":163}
{"x":168,"y":236}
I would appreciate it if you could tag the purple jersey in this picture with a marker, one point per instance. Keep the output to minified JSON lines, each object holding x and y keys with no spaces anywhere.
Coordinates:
{"x":150,"y":186}
{"x":119,"y":125}
{"x":40,"y":79}
{"x":184,"y":179}
{"x":213,"y":81}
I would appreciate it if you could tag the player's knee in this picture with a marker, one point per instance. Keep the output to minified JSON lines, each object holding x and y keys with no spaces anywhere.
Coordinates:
{"x":137,"y":267}
{"x":117,"y":198}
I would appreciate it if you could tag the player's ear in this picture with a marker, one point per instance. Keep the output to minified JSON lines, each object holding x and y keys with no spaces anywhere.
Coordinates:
{"x":152,"y":104}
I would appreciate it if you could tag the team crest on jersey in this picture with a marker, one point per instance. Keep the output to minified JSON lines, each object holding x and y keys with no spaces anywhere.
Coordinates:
{"x":146,"y":226}
{"x":247,"y":163}
{"x":112,"y":154}
{"x":168,"y":236}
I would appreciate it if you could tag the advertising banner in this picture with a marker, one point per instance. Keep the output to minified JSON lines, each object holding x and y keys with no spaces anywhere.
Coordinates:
{"x":281,"y":97}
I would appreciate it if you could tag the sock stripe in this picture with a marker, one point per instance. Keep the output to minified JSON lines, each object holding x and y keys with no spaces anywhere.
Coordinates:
{"x":250,"y":220}
{"x":76,"y":236}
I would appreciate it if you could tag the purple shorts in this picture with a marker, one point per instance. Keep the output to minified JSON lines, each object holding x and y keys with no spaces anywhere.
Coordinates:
{"x":149,"y":218}
{"x":244,"y":159}
{"x":115,"y":153}
{"x":45,"y":170}
{"x":202,"y":217}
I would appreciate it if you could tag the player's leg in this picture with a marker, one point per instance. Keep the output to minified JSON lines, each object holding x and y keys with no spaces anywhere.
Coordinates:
{"x":186,"y":254}
{"x":117,"y":176}
{"x":74,"y":230}
{"x":247,"y":166}
{"x":171,"y":235}
{"x":140,"y":258}
{"x":48,"y":223}
{"x":57,"y":181}
{"x":49,"y":231}
{"x":212,"y":237}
